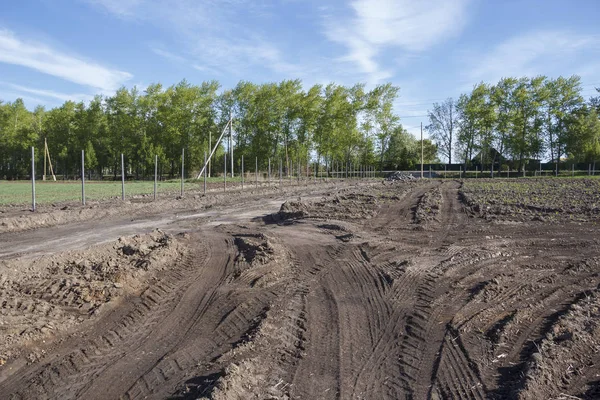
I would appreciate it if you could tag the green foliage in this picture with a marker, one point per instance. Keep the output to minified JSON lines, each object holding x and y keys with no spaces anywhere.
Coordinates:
{"x":525,"y":119}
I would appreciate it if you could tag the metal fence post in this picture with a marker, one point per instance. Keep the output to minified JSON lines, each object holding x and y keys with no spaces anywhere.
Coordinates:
{"x":182,"y":169}
{"x":32,"y":178}
{"x":83,"y":177}
{"x":122,"y":178}
{"x":205,"y":172}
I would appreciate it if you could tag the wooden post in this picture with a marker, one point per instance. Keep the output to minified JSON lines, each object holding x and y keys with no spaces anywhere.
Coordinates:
{"x":82,"y":177}
{"x":32,"y":178}
{"x":122,"y":178}
{"x":205,"y":172}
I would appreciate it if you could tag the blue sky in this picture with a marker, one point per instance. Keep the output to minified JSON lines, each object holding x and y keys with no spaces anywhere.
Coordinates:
{"x":55,"y":50}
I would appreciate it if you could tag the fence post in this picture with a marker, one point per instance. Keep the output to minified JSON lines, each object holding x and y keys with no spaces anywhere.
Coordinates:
{"x":242,"y":172}
{"x":122,"y":178}
{"x":83,"y":177}
{"x":32,"y":178}
{"x":256,"y":170}
{"x":156,"y":172}
{"x":225,"y":172}
{"x":205,"y":172}
{"x":182,"y":169}
{"x":269,"y":172}
{"x":307,"y":170}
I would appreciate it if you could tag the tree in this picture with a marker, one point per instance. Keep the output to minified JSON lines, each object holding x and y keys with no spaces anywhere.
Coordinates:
{"x":443,"y":120}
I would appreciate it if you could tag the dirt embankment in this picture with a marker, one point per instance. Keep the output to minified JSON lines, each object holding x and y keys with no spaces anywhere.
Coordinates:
{"x":44,"y":297}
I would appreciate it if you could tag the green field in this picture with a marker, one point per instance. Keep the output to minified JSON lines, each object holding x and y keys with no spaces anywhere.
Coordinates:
{"x":49,"y":192}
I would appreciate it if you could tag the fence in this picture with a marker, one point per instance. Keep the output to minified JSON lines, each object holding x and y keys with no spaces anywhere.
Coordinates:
{"x":278,"y":173}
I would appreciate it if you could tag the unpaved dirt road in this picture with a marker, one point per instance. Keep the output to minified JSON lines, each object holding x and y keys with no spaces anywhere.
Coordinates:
{"x":366,"y":292}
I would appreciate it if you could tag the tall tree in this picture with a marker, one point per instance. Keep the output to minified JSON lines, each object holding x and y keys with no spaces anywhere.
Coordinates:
{"x":443,"y":121}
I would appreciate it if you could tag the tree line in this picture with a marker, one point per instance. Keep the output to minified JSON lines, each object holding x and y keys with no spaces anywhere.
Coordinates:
{"x":324,"y":125}
{"x":523,"y":120}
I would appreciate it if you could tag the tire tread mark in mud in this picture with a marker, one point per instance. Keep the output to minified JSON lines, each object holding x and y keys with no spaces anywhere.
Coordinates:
{"x":103,"y":350}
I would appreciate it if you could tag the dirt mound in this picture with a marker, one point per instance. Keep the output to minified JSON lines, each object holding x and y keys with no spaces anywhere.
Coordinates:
{"x":54,"y":293}
{"x":399,"y":176}
{"x":291,"y":210}
{"x":428,"y":208}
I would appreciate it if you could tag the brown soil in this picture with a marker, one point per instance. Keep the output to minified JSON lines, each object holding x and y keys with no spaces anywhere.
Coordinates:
{"x":364,"y":291}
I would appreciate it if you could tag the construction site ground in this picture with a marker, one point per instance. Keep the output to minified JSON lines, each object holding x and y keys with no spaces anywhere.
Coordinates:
{"x":362,"y":289}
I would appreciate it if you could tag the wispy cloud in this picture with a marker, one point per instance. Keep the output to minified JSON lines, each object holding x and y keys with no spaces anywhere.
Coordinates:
{"x":535,"y":53}
{"x":45,"y":59}
{"x":122,"y":8}
{"x":407,"y":25}
{"x":168,"y":55}
{"x":213,"y":34}
{"x":47,"y":93}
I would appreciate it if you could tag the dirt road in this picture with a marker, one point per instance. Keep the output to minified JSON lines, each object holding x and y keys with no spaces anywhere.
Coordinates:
{"x":371,"y":292}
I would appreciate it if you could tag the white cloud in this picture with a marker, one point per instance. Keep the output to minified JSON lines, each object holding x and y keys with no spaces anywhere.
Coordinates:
{"x":53,"y":62}
{"x":536,"y":53}
{"x":48,"y":93}
{"x":408,"y":25}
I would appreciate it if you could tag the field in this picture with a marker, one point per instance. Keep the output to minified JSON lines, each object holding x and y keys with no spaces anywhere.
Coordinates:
{"x":69,"y":191}
{"x":424,"y":289}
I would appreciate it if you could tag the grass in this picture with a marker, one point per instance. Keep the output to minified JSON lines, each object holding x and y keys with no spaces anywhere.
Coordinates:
{"x":19,"y":192}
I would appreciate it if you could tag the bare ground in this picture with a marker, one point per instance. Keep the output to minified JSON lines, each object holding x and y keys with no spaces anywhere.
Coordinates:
{"x":355,"y":292}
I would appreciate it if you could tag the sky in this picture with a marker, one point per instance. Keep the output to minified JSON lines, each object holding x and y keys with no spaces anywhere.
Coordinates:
{"x":57,"y":50}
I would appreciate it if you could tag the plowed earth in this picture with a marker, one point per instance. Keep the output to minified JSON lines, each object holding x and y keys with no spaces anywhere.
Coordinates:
{"x":377,"y":291}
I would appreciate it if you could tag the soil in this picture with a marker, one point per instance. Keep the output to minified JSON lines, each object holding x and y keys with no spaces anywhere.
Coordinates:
{"x":352,"y":291}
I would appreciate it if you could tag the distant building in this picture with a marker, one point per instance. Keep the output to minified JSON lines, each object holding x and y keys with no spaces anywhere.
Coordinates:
{"x":489,"y":156}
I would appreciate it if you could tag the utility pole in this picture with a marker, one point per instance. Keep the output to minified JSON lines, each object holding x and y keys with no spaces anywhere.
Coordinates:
{"x":231,"y":140}
{"x":421,"y":150}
